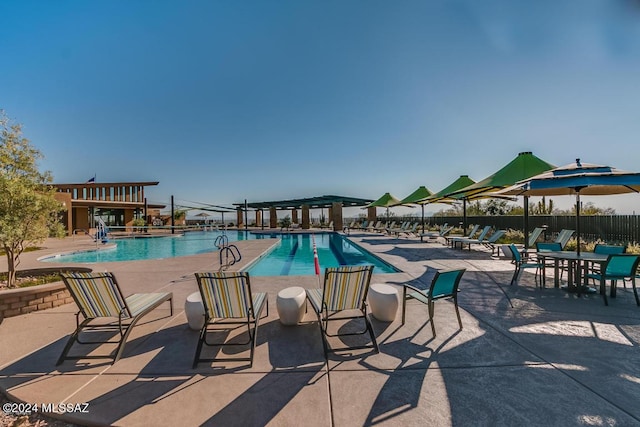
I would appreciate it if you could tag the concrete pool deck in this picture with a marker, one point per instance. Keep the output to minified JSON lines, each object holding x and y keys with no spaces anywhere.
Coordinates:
{"x":524,"y":357}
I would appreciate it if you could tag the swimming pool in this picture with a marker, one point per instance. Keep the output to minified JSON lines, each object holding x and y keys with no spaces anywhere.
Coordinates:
{"x":292,"y":257}
{"x":135,"y":249}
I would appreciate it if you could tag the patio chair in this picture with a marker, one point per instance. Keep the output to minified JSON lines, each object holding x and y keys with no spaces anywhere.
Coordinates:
{"x":607,"y":250}
{"x":533,"y":238}
{"x":521,"y":264}
{"x":469,"y":240}
{"x":228,"y":301}
{"x":396,"y":230}
{"x":563,"y":237}
{"x":617,"y":267}
{"x":550,"y":247}
{"x":373,"y":227}
{"x":410,"y":230}
{"x":383,"y":228}
{"x":99,"y":298}
{"x":444,"y":230}
{"x":329,"y":226}
{"x":492,"y":241}
{"x":444,"y":285}
{"x":472,"y":233}
{"x":345,"y":290}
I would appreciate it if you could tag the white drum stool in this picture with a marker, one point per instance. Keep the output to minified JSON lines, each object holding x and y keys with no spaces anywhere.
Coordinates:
{"x":290,"y":305}
{"x":194,"y":309}
{"x":383,"y":300}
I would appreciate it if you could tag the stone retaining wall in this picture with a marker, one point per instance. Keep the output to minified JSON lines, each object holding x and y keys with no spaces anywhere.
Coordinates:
{"x":14,"y":302}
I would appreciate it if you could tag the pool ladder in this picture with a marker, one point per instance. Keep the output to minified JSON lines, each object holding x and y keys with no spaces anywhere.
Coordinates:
{"x":229,"y":254}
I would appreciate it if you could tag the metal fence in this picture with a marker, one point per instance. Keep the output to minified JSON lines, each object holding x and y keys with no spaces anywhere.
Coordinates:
{"x":608,"y":228}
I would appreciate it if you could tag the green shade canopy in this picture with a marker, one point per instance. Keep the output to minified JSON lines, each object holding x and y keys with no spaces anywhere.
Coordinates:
{"x":442,"y":195}
{"x":524,"y":166}
{"x":417,"y":197}
{"x":387,"y":200}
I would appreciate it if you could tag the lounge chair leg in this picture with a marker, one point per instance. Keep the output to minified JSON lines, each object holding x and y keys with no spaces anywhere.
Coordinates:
{"x":455,"y":302}
{"x":431,"y":314}
{"x":71,"y":340}
{"x":404,"y":304}
{"x":201,"y":339}
{"x":371,"y":334}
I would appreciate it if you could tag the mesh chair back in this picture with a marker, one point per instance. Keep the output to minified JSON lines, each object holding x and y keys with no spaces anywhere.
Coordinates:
{"x":484,"y":233}
{"x":445,"y":283}
{"x":96,"y":294}
{"x":495,"y":236}
{"x":473,"y":231}
{"x":608,"y":249}
{"x":622,"y":265}
{"x":563,"y":237}
{"x":225,"y":295}
{"x":515,"y":254}
{"x":346,"y":287}
{"x":533,"y":237}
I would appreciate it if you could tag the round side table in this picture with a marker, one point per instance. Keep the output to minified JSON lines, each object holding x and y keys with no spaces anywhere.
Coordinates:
{"x":383,"y":300}
{"x":194,"y":309}
{"x":290,"y":305}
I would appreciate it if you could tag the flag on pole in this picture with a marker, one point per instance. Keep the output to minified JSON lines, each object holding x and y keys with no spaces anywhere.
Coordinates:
{"x":316,"y":262}
{"x":92,"y":179}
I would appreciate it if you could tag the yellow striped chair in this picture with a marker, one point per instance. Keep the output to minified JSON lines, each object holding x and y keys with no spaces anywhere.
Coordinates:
{"x":98,"y":296}
{"x":345,"y":289}
{"x":228,"y":301}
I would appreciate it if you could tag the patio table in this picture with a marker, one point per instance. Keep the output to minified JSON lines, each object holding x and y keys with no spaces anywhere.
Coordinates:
{"x":576,"y":264}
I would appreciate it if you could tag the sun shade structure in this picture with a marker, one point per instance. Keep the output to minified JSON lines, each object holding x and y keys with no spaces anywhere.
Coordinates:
{"x":385,"y":201}
{"x":417,"y":198}
{"x":577,"y":179}
{"x":312,"y":202}
{"x":525,"y":165}
{"x":442,"y":195}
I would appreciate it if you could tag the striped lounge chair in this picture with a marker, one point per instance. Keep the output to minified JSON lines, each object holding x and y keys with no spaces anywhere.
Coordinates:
{"x":345,"y":288}
{"x":228,"y":301}
{"x":98,"y":297}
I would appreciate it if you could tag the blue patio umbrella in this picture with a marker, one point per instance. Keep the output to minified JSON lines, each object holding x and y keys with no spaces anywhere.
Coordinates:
{"x":577,"y":179}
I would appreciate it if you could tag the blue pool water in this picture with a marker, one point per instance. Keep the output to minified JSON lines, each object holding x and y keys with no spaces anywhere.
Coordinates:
{"x":292,"y":257}
{"x":134,"y":249}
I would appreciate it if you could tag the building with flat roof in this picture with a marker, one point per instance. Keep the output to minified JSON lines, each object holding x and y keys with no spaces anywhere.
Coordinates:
{"x":116,"y":203}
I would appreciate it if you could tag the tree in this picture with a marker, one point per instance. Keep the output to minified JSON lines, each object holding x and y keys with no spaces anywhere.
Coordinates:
{"x":497,"y":207}
{"x":28,"y":208}
{"x":541,"y":208}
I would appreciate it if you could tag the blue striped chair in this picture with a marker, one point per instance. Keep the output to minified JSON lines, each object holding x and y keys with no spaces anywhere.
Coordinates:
{"x":228,"y":301}
{"x":98,"y":296}
{"x":345,"y":289}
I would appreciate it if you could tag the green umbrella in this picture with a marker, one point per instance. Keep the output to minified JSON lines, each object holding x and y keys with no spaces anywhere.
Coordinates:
{"x":442,"y":196}
{"x":524,"y":166}
{"x":416,"y":198}
{"x":386,"y":201}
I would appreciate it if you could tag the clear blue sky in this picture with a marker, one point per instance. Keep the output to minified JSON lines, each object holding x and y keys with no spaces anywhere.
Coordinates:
{"x":226,"y":100}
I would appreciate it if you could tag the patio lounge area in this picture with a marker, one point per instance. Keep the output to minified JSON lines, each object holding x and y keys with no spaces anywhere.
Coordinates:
{"x":525,"y":356}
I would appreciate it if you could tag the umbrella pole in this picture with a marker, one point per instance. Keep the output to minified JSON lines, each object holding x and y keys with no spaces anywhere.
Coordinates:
{"x":578,"y":221}
{"x":422,"y":217}
{"x":464,"y":215}
{"x":526,"y":223}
